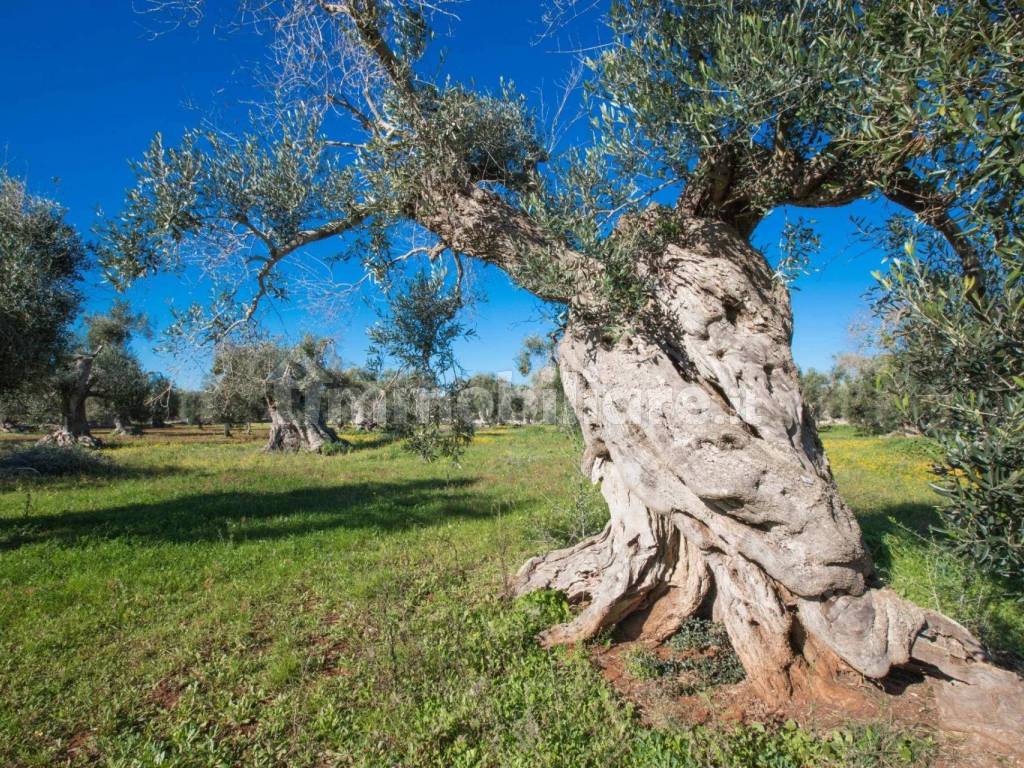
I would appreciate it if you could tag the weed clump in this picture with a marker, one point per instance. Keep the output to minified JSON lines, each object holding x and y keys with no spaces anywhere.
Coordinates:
{"x":699,"y":657}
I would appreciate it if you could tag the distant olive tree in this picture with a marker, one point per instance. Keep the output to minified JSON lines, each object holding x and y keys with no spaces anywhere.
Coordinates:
{"x":546,"y":395}
{"x":289,"y":385}
{"x":101,"y":366}
{"x":41,"y":262}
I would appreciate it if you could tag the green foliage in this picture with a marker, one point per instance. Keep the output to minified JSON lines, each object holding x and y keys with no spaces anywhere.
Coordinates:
{"x":420,"y":327}
{"x":645,"y":664}
{"x":854,"y":390}
{"x":457,"y":138}
{"x":163,"y":400}
{"x":33,"y":403}
{"x":191,"y":408}
{"x":579,"y":513}
{"x":817,"y":394}
{"x":437,"y":435}
{"x":533,"y":347}
{"x":798,"y":244}
{"x":956,"y":343}
{"x":336,"y":448}
{"x":118,"y":381}
{"x":698,"y":633}
{"x":418,"y":332}
{"x":750,"y":87}
{"x":41,"y":262}
{"x":549,"y":403}
{"x":236,"y":390}
{"x":699,"y":657}
{"x":982,"y":481}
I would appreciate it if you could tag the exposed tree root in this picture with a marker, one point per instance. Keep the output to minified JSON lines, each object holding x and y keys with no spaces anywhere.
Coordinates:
{"x":65,"y":438}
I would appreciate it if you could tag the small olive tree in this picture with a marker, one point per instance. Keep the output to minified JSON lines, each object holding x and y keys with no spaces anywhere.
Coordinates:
{"x":418,"y":332}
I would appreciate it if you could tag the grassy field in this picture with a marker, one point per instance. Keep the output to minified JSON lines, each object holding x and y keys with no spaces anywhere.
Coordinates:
{"x":197,"y":603}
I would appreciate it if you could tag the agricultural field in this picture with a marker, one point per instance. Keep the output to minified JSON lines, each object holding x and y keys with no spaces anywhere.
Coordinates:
{"x":187,"y":600}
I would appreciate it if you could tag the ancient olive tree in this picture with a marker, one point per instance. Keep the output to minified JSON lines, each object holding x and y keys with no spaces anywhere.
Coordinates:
{"x":676,"y":348}
{"x":100,"y":367}
{"x":297,"y":402}
{"x":41,"y":260}
{"x":288,"y":384}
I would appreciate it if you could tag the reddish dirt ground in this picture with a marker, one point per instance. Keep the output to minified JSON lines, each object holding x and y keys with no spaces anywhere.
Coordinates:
{"x":905,"y":700}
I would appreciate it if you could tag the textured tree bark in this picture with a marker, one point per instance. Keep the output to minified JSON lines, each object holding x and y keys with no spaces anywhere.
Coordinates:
{"x":721,"y":496}
{"x":299,"y":432}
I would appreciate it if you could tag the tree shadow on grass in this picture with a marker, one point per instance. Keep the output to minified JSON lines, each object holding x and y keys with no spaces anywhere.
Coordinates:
{"x":365,"y":443}
{"x":918,"y":517}
{"x":234,"y":516}
{"x":48,"y":466}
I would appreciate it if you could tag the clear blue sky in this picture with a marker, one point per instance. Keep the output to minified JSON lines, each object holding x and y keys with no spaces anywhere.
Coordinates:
{"x":83,"y":88}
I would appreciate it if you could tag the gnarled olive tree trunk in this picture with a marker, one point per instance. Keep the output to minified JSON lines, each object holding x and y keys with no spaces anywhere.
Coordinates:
{"x":74,"y":391}
{"x":721,"y":496}
{"x":293,"y":429}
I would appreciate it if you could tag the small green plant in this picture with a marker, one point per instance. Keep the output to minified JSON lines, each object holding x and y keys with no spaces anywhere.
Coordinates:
{"x":645,"y":664}
{"x":338,"y":448}
{"x":703,"y":672}
{"x":701,"y":657}
{"x":576,"y":517}
{"x":697,"y":633}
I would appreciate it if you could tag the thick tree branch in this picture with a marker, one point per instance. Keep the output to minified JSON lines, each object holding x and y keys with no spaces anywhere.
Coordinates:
{"x":276,"y":254}
{"x":479,"y":223}
{"x":918,"y":197}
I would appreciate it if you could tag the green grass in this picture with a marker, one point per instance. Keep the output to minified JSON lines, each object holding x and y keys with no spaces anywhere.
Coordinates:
{"x":204,"y":604}
{"x":885,"y":480}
